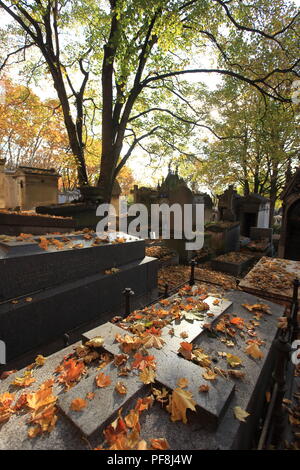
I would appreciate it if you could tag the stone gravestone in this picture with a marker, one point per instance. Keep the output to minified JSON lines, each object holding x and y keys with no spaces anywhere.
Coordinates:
{"x":169,"y":369}
{"x":227,"y":432}
{"x":78,"y":279}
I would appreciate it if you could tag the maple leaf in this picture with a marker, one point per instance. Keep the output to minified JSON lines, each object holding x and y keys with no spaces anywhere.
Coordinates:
{"x":240,"y":414}
{"x":6,"y":400}
{"x":186,"y":350}
{"x":120,"y":359}
{"x":72,"y":371}
{"x":143,"y":361}
{"x":160,"y":395}
{"x":184,"y":335}
{"x":180,"y":401}
{"x":40,"y":360}
{"x":22,"y":401}
{"x":102,"y":380}
{"x":45,"y":418}
{"x":129,"y":343}
{"x":232,"y":360}
{"x":209,"y":375}
{"x":115,"y":430}
{"x":43,"y":397}
{"x":159,"y":444}
{"x":78,"y":404}
{"x":182,"y":383}
{"x":121,"y":388}
{"x":147,"y":376}
{"x":239,"y":322}
{"x":153,"y":341}
{"x":90,"y":396}
{"x":143,"y":404}
{"x":254,"y":351}
{"x":260,"y":307}
{"x":24,"y":381}
{"x":201,"y":358}
{"x":132,"y":420}
{"x":124,"y":371}
{"x":96,"y":342}
{"x":34,"y":431}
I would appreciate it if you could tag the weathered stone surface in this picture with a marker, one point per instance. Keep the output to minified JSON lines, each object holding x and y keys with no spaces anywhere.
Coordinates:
{"x":104,"y":406}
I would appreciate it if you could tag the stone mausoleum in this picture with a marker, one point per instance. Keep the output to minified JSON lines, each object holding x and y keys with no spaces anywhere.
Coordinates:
{"x":27,"y":187}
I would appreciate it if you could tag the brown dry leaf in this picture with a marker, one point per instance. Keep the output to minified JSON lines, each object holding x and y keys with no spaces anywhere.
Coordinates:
{"x":254,"y":351}
{"x":132,"y":420}
{"x":232,"y":360}
{"x":121,"y":388}
{"x":129,"y":343}
{"x":143,"y":403}
{"x":209,"y":374}
{"x":204,"y":388}
{"x":120,"y":359}
{"x":102,"y":380}
{"x":78,"y":404}
{"x":159,"y":444}
{"x":201,"y":358}
{"x":141,"y":361}
{"x":240,"y":414}
{"x":186,"y":350}
{"x":96,"y":342}
{"x":147,"y":376}
{"x":24,"y":381}
{"x":260,"y":307}
{"x":179,"y":402}
{"x":124,"y":371}
{"x":182,"y":383}
{"x":237,"y":374}
{"x":153,"y":341}
{"x":184,"y":335}
{"x":160,"y":395}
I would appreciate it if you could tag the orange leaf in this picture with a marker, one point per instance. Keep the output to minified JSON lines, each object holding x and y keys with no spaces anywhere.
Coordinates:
{"x":102,"y":380}
{"x":143,"y":361}
{"x":78,"y":404}
{"x":121,"y":388}
{"x":159,"y":444}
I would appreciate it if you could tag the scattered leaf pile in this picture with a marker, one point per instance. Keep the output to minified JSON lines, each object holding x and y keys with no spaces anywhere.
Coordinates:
{"x":271,"y":274}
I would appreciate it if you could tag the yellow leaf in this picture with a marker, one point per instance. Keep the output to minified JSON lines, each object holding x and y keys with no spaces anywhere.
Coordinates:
{"x":254,"y":351}
{"x":182,"y":383}
{"x":209,"y":375}
{"x":232,"y":360}
{"x":40,"y":360}
{"x":180,"y":401}
{"x":96,"y":342}
{"x":121,"y":388}
{"x":24,"y":381}
{"x":147,"y":375}
{"x":240,"y":414}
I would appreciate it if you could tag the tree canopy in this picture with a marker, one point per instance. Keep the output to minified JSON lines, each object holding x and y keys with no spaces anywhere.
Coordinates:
{"x":144,"y":54}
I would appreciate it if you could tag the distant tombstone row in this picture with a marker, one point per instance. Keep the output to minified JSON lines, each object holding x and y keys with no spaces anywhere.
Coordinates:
{"x":252,"y":210}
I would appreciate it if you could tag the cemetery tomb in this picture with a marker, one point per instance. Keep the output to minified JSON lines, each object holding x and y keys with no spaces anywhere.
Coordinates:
{"x":272,"y":278}
{"x":210,"y":370}
{"x":53,"y":284}
{"x":233,"y":263}
{"x":289,"y":246}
